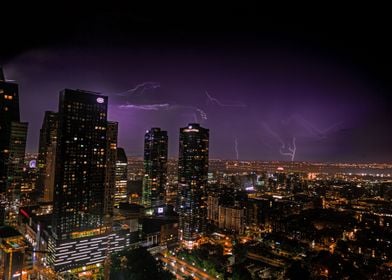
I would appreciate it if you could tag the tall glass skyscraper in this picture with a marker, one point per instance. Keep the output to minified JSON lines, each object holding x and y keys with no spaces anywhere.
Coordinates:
{"x":82,"y":235}
{"x":81,"y":162}
{"x":192,"y":182}
{"x":155,"y":167}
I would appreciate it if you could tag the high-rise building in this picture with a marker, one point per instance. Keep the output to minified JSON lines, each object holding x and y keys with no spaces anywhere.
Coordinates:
{"x":81,"y":162}
{"x":9,"y":112}
{"x":232,"y":218}
{"x":47,"y":156}
{"x":17,"y":146}
{"x":81,"y":238}
{"x":192,"y":182}
{"x":110,"y":183}
{"x":13,"y":135}
{"x":213,"y":208}
{"x":121,"y":191}
{"x":29,"y":181}
{"x":155,"y":167}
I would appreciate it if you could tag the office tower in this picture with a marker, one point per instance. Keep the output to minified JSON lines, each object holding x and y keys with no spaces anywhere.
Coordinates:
{"x":81,"y":160}
{"x":47,"y":156}
{"x":192,"y":182}
{"x":110,"y":180}
{"x":155,"y":167}
{"x":13,"y":135}
{"x":121,"y":191}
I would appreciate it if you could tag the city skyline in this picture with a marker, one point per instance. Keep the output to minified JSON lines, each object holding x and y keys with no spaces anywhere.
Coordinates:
{"x":277,"y":87}
{"x":325,"y":138}
{"x":228,"y":142}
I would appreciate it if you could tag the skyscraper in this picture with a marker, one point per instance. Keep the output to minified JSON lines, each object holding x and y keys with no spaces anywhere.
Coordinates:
{"x":155,"y":167}
{"x":47,"y":156}
{"x":121,"y":191}
{"x":16,"y":155}
{"x":13,"y":135}
{"x":110,"y":183}
{"x":80,"y":237}
{"x":192,"y":182}
{"x":81,"y":162}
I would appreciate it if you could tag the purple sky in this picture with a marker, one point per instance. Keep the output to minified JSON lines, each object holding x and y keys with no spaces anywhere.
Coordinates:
{"x":262,"y":103}
{"x":282,"y":84}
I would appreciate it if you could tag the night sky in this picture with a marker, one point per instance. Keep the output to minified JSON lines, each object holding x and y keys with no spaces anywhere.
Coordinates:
{"x":269,"y":85}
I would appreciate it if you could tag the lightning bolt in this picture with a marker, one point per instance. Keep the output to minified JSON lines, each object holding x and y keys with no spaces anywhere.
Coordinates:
{"x":292,"y":149}
{"x":140,"y":88}
{"x":203,"y":114}
{"x":147,"y":107}
{"x":236,"y":148}
{"x":143,"y":87}
{"x":311,"y":128}
{"x":215,"y":101}
{"x":166,"y":106}
{"x":273,"y":133}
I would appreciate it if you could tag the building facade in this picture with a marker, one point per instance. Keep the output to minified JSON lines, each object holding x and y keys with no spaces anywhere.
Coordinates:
{"x":13,"y":135}
{"x":213,"y":209}
{"x":232,"y":218}
{"x":155,"y":167}
{"x":47,"y":156}
{"x":81,"y":162}
{"x":121,"y":190}
{"x":110,"y":179}
{"x":86,"y":249}
{"x":192,"y":182}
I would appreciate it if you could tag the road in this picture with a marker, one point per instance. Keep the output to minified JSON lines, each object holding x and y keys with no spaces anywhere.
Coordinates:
{"x":182,"y":269}
{"x":272,"y":262}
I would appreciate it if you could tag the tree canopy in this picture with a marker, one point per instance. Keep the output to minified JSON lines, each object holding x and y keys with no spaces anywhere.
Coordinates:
{"x":137,"y":264}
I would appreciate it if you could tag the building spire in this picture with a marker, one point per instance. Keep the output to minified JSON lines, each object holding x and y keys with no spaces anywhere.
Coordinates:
{"x":2,"y":78}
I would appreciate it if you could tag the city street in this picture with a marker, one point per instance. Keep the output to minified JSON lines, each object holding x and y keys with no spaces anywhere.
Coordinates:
{"x":182,"y":269}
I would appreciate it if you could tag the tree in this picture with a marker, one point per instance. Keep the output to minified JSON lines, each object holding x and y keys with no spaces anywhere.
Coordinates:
{"x":297,"y":272}
{"x":241,"y":273}
{"x":137,"y":264}
{"x":240,"y":252}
